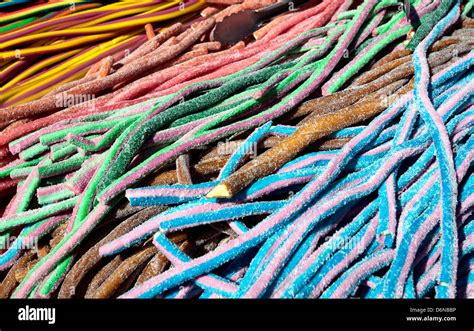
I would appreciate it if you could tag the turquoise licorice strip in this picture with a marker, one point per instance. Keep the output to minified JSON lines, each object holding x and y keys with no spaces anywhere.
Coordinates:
{"x":444,"y":156}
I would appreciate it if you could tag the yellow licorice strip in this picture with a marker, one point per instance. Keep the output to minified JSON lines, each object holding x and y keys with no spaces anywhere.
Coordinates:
{"x":36,"y":9}
{"x":104,"y":28}
{"x":95,"y":10}
{"x":40,"y":65}
{"x":122,"y":13}
{"x":56,"y":72}
{"x":56,"y":47}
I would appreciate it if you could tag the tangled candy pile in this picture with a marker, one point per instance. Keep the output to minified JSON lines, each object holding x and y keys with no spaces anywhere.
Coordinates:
{"x":329,"y":155}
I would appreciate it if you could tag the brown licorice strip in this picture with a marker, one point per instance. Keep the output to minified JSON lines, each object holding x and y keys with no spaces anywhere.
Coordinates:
{"x":11,"y":280}
{"x":103,"y":274}
{"x":121,"y":273}
{"x":183,"y":171}
{"x":90,"y":259}
{"x":382,"y":67}
{"x":271,"y":160}
{"x":155,"y":266}
{"x":342,"y":98}
{"x":467,"y":22}
{"x":233,"y":9}
{"x":257,"y":4}
{"x":151,"y":44}
{"x":383,"y":91}
{"x":190,"y":55}
{"x":396,"y":54}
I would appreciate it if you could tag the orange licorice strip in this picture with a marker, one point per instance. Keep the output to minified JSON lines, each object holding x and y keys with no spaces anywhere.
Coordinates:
{"x":150,"y":32}
{"x":106,"y":66}
{"x":211,"y":46}
{"x":209,"y":11}
{"x":260,"y":33}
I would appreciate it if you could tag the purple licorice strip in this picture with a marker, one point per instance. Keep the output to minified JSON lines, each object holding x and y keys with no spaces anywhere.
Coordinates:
{"x":347,"y":286}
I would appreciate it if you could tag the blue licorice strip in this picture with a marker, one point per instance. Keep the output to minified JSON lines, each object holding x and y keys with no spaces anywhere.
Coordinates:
{"x":367,"y":272}
{"x":342,"y":235}
{"x":392,"y":278}
{"x":332,"y":262}
{"x":385,"y":191}
{"x":169,"y":199}
{"x":446,"y":165}
{"x":172,"y":249}
{"x":249,"y":144}
{"x":256,"y":262}
{"x":225,"y":214}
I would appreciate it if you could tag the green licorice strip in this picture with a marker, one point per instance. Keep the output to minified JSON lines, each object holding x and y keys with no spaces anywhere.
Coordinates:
{"x":315,"y":75}
{"x":60,"y":152}
{"x":89,"y":193}
{"x":66,"y":238}
{"x":17,"y":24}
{"x":86,"y":119}
{"x":468,"y":7}
{"x":346,"y":15}
{"x":48,"y":138}
{"x":428,"y":22}
{"x":56,"y":197}
{"x":83,"y":209}
{"x":30,"y":190}
{"x":221,"y":107}
{"x":8,"y":170}
{"x":35,"y":215}
{"x":303,"y":64}
{"x":33,"y":151}
{"x":107,"y":140}
{"x":33,"y":291}
{"x":85,"y":168}
{"x":55,"y":276}
{"x":62,"y":167}
{"x":65,"y":149}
